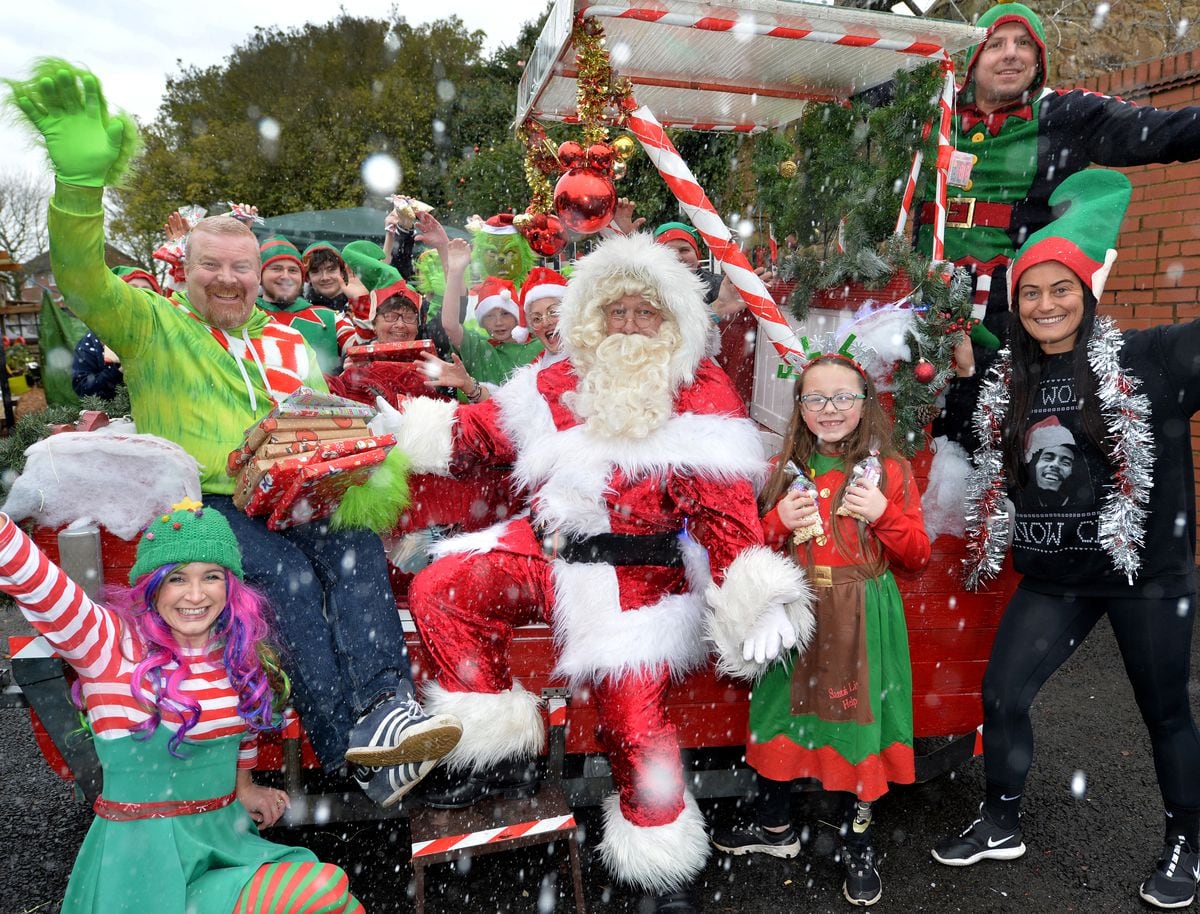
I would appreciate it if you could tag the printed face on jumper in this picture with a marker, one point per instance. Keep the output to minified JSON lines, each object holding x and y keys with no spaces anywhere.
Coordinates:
{"x":281,"y":281}
{"x":222,"y":277}
{"x":830,"y":425}
{"x":326,"y":278}
{"x":1053,"y":467}
{"x":1005,"y":67}
{"x":633,"y":314}
{"x":542,"y":317}
{"x":686,"y":253}
{"x":190,"y":600}
{"x":1050,"y":305}
{"x":397,"y":324}
{"x":499,"y":325}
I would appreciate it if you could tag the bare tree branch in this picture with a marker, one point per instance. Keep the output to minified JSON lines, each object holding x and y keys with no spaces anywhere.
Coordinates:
{"x":23,"y":199}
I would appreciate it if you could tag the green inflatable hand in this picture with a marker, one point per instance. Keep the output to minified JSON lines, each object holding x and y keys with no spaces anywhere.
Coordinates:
{"x":87,"y":146}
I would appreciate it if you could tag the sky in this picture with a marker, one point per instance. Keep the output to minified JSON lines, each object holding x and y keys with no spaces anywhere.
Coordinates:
{"x":133,"y":45}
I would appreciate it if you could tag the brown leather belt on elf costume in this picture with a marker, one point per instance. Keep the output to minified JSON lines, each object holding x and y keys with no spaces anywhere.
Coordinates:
{"x":659,"y":549}
{"x":116,"y":811}
{"x":967,"y":212}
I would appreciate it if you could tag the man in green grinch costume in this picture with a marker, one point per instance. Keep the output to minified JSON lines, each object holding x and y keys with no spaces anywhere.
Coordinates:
{"x":1016,"y":141}
{"x":201,"y":367}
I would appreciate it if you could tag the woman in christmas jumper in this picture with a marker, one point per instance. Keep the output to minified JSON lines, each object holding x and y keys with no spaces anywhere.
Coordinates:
{"x":177,"y":681}
{"x":842,"y":713}
{"x":1128,"y":554}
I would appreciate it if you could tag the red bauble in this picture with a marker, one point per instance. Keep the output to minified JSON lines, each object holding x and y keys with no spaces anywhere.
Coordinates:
{"x":924,"y":371}
{"x":545,"y":234}
{"x":600,"y":156}
{"x":585,"y":200}
{"x":570,"y":155}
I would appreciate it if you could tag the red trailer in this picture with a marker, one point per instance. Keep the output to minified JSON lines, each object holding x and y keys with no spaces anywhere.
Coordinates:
{"x":764,"y":61}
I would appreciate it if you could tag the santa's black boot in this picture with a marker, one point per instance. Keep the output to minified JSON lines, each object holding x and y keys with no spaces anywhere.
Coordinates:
{"x":511,"y":779}
{"x":681,"y":901}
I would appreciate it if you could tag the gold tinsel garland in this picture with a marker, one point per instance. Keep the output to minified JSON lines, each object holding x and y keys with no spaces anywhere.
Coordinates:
{"x":598,"y":91}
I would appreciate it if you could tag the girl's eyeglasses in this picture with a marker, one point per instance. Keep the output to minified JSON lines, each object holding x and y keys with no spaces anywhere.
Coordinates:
{"x":814,"y":403}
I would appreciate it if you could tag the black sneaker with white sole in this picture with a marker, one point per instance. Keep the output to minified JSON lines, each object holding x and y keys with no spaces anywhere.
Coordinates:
{"x":387,"y":786}
{"x":754,"y":839}
{"x":863,"y":886}
{"x":1173,"y":883}
{"x":396,"y":731}
{"x":982,"y":840}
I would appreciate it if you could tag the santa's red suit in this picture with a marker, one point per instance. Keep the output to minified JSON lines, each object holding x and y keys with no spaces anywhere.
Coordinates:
{"x":624,"y":630}
{"x":641,"y":550}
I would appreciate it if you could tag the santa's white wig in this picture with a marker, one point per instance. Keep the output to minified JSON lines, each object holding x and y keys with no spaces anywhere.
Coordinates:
{"x":635,"y":264}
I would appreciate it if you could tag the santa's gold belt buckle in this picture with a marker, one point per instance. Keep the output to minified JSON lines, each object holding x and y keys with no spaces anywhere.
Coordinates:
{"x":822,"y":576}
{"x":957,"y":203}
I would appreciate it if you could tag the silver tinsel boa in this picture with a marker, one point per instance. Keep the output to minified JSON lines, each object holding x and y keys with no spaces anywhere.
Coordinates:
{"x":1131,"y":454}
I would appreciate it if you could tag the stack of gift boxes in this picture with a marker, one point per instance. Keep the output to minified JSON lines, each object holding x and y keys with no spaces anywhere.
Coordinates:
{"x":295,"y":464}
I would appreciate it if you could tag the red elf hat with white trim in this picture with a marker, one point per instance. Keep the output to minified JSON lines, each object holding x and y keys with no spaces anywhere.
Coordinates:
{"x":1088,"y":209}
{"x":496,"y":293}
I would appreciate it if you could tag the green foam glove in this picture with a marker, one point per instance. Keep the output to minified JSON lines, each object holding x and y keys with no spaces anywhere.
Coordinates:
{"x":87,"y":146}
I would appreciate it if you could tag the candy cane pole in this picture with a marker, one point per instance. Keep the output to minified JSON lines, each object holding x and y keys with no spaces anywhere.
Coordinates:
{"x":910,"y":189}
{"x":687,"y":190}
{"x":944,"y":151}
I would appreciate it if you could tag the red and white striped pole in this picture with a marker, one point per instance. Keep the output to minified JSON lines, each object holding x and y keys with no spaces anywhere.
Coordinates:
{"x":712,"y":228}
{"x":944,"y":151}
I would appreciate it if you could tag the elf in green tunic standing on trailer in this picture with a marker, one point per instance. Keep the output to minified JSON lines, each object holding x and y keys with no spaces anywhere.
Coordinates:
{"x":845,"y":508}
{"x":1016,"y":141}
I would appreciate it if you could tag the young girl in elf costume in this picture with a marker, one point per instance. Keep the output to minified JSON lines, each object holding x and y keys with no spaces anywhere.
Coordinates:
{"x":177,"y":681}
{"x":845,"y":507}
{"x":1125,"y":550}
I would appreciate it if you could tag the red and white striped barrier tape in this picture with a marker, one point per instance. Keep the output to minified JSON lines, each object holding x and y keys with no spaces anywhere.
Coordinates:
{"x":492,"y":836}
{"x":700,"y":211}
{"x":769,"y":29}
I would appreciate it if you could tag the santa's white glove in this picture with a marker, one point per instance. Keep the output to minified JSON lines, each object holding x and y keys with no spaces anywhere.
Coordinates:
{"x":773,"y":631}
{"x":388,"y":421}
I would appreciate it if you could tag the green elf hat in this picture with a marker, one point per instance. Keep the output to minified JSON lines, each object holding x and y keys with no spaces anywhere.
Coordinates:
{"x":277,"y":248}
{"x":678,"y":231}
{"x":1088,"y":209}
{"x":363,"y":248}
{"x":1000,"y":14}
{"x":129,"y":274}
{"x":382,"y":281}
{"x":188,"y":534}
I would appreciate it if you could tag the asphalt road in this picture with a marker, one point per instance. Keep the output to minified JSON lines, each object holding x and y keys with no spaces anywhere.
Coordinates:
{"x":1086,"y":853}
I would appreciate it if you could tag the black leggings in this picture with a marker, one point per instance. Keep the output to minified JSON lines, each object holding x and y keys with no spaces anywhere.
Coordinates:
{"x":1037,"y":635}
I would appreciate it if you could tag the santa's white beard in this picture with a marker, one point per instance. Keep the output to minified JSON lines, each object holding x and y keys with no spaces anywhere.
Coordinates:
{"x":625,"y":390}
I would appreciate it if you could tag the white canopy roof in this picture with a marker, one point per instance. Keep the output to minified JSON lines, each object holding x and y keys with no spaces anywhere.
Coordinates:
{"x":743,"y":66}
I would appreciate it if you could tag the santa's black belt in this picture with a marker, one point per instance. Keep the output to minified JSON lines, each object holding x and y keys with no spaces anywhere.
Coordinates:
{"x":660,"y":549}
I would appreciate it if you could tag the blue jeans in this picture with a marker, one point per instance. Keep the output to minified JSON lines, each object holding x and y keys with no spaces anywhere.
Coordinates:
{"x":343,"y":645}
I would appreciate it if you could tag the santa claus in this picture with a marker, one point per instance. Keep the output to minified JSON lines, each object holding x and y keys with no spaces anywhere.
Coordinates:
{"x":641,"y":548}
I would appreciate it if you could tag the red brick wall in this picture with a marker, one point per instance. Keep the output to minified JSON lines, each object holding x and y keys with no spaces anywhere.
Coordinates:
{"x":1157,"y":275}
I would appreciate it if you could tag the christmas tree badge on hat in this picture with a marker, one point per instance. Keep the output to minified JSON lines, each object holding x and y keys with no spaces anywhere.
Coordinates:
{"x":1088,"y":208}
{"x":190,"y":533}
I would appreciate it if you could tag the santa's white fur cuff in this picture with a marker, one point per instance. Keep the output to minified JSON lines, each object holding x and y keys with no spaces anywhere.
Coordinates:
{"x":496,"y":726}
{"x":425,"y":434}
{"x":655,"y":858}
{"x":758,"y":577}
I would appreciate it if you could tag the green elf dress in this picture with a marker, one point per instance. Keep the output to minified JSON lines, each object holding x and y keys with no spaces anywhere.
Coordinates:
{"x":169,"y":836}
{"x":842,"y":712}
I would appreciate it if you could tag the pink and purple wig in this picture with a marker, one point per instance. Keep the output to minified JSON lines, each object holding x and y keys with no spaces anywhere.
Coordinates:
{"x":241,"y":631}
